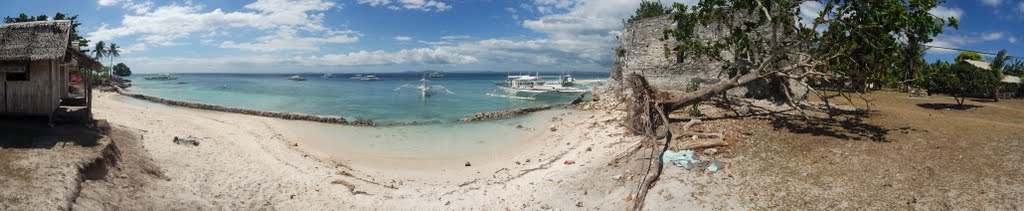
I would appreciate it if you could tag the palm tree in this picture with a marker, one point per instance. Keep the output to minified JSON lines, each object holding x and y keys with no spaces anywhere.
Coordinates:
{"x":100,"y":51}
{"x":997,"y":67}
{"x":113,"y":51}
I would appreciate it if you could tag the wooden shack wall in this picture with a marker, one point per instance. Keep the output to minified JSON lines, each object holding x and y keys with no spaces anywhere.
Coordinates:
{"x":38,"y":95}
{"x":3,"y":92}
{"x":63,"y":79}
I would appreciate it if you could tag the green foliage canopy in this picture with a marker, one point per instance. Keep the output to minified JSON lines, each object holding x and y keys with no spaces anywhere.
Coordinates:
{"x":963,"y":56}
{"x":850,"y":41}
{"x":962,"y":80}
{"x":122,"y":70}
{"x":650,"y":9}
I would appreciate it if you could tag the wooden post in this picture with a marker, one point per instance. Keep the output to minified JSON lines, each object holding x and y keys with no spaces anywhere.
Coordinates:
{"x":88,"y":93}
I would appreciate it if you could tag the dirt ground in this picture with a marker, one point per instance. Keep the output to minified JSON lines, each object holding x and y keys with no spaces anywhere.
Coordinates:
{"x":907,"y":153}
{"x":40,"y":166}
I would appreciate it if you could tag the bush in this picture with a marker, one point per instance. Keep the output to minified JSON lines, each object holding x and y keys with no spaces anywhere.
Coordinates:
{"x":650,"y":9}
{"x":693,"y":86}
{"x":961,"y":80}
{"x":122,"y":70}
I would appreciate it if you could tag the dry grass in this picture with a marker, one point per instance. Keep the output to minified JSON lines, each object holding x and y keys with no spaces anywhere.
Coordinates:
{"x":901,"y":155}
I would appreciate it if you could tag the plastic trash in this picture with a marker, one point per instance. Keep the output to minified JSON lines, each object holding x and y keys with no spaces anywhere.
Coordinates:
{"x":715,"y":165}
{"x":691,"y":161}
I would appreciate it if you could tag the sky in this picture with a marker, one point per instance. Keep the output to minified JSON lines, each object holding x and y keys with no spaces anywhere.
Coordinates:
{"x":356,"y":36}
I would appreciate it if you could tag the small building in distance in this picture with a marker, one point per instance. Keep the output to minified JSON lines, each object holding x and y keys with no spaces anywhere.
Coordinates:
{"x":36,"y":59}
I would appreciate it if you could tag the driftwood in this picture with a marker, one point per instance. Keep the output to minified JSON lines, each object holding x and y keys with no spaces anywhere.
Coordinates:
{"x":646,"y":115}
{"x":717,"y":138}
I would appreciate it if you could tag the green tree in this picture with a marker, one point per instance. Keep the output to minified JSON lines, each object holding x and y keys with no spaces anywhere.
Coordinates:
{"x":997,"y":65}
{"x":100,"y":51}
{"x":963,"y":56}
{"x":960,"y":81}
{"x":122,"y":70}
{"x":650,"y":9}
{"x":113,"y":51}
{"x":848,"y":43}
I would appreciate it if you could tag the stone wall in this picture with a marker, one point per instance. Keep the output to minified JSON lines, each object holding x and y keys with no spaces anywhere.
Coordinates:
{"x":642,"y":50}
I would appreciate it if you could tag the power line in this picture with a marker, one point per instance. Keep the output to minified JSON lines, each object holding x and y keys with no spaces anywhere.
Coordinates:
{"x":979,"y":52}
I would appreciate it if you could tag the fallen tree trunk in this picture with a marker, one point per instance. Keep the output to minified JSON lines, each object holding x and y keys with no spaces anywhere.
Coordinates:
{"x":677,"y":100}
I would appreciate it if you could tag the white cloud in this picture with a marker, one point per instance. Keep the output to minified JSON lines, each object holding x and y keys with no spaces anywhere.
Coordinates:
{"x":403,"y":38}
{"x":992,"y":2}
{"x":419,"y":56}
{"x":106,"y":3}
{"x":992,"y":36}
{"x":166,"y":24}
{"x":809,"y":11}
{"x":287,"y":39}
{"x":456,"y":37}
{"x":1012,"y":39}
{"x":423,"y":5}
{"x":948,"y":41}
{"x":1020,"y":7}
{"x":946,"y":12}
{"x":578,"y":32}
{"x":584,"y":17}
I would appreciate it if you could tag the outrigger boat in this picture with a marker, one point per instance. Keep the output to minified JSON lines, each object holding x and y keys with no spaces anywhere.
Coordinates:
{"x":362,"y":77}
{"x":527,"y":87}
{"x":327,"y":75}
{"x":424,"y":89}
{"x":297,"y":78}
{"x":161,"y":77}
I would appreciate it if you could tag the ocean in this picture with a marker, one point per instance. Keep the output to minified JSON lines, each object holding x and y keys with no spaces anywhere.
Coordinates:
{"x":345,"y":97}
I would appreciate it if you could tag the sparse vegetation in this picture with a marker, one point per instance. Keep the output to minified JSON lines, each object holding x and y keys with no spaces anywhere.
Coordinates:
{"x":650,"y":9}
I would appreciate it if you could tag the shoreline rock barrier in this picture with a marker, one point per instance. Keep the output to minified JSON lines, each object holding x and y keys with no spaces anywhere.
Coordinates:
{"x":272,"y":114}
{"x":482,"y":116}
{"x":504,"y":113}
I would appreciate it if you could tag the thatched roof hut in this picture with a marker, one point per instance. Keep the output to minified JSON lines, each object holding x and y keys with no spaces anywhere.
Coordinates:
{"x":35,"y":61}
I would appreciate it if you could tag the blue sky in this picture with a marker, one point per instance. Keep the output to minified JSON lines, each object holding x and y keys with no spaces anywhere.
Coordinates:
{"x":285,"y":36}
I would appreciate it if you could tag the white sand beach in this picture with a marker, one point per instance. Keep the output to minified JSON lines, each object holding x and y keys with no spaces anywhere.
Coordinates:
{"x":246,"y":162}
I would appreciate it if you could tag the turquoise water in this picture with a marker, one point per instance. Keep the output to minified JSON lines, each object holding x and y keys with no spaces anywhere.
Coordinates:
{"x":341,"y":96}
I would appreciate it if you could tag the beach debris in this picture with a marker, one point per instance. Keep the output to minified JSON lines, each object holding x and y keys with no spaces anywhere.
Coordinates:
{"x":688,"y":160}
{"x":617,"y":177}
{"x":715,"y":165}
{"x":186,"y":141}
{"x":519,"y":126}
{"x":579,"y":204}
{"x":710,"y":151}
{"x":552,"y":128}
{"x":569,"y":162}
{"x":467,"y":163}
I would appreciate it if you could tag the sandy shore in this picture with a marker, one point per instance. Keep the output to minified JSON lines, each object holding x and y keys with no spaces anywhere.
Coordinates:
{"x":246,"y":162}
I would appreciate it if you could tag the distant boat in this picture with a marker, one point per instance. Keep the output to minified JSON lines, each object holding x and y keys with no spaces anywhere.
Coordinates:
{"x":369,"y":78}
{"x":356,"y":77}
{"x":424,"y":89}
{"x":527,"y":87}
{"x":161,"y":77}
{"x":327,"y":75}
{"x":297,"y":78}
{"x":435,"y":74}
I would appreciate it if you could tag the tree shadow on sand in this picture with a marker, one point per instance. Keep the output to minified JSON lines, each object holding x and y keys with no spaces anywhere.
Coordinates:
{"x":847,"y":127}
{"x":947,"y":106}
{"x":843,"y":124}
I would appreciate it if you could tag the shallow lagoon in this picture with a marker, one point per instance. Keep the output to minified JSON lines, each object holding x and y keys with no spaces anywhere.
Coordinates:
{"x":341,"y":96}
